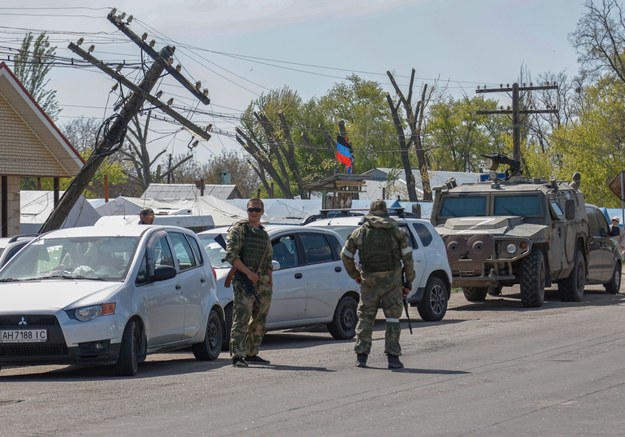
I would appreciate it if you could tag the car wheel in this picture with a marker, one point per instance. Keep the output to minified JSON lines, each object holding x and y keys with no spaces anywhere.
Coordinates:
{"x":572,"y":287}
{"x":225,"y":345}
{"x":614,"y":285}
{"x":475,"y":294}
{"x":532,"y":280}
{"x":433,"y":306}
{"x":210,"y":348}
{"x":343,"y":325}
{"x":130,"y":351}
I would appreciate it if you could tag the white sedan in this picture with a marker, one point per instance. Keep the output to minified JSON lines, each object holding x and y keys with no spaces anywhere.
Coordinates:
{"x":108,"y":295}
{"x":310,"y":284}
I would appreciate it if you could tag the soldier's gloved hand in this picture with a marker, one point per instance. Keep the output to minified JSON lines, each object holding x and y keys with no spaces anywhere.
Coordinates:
{"x":407,"y":286}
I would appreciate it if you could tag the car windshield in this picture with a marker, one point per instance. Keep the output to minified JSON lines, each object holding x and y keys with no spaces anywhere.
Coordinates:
{"x":526,"y":206}
{"x":97,"y":258}
{"x":464,"y":206}
{"x":216,"y":253}
{"x":476,"y":206}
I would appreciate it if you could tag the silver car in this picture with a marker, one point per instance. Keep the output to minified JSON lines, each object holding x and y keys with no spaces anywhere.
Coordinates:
{"x":310,"y":284}
{"x":108,"y":295}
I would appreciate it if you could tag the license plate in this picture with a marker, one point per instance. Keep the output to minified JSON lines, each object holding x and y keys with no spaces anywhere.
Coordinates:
{"x":23,"y":335}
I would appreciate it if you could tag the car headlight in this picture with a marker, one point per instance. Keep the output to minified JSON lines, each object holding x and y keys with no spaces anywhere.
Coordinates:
{"x":511,"y":248}
{"x":87,"y":313}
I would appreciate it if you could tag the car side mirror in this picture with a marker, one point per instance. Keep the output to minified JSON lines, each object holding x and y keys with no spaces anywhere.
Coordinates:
{"x":275,"y":265}
{"x":161,"y":273}
{"x":569,"y":209}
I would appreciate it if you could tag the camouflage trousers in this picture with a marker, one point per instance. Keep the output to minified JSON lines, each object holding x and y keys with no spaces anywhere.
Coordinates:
{"x":379,"y":290}
{"x":249,"y":318}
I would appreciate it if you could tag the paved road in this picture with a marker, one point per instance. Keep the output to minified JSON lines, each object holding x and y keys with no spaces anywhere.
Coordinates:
{"x":487,"y":369}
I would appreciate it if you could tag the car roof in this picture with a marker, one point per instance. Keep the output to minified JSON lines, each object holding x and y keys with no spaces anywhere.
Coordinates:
{"x":271,"y":229}
{"x":357,"y":220}
{"x":112,"y":231}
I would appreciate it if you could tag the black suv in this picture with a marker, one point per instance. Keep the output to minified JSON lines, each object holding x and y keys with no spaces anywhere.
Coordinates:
{"x":604,"y":258}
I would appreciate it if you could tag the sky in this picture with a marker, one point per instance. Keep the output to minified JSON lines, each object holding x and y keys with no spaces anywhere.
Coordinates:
{"x":240,"y":49}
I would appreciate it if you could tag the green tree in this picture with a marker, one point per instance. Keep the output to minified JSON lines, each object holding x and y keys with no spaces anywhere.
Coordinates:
{"x":595,"y":145}
{"x":32,"y":66}
{"x":456,"y":135}
{"x":362,"y":105}
{"x":266,"y":134}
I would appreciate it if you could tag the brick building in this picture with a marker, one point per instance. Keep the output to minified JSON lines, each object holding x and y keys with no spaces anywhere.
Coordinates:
{"x":30,"y":146}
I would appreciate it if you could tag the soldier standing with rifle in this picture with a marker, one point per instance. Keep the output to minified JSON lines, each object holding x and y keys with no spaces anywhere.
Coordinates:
{"x":249,"y":251}
{"x":382,"y":248}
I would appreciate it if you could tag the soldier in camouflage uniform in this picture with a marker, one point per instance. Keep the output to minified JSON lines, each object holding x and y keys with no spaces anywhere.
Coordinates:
{"x":382,"y":248}
{"x":249,"y":251}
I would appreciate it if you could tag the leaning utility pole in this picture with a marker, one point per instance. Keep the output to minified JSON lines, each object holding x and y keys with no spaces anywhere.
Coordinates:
{"x":516,"y":110}
{"x":114,"y":129}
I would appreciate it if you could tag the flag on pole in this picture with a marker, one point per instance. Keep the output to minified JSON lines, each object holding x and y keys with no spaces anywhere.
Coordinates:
{"x":344,"y":153}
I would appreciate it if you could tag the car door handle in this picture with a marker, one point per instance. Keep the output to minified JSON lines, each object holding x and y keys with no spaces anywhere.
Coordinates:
{"x":202,"y":280}
{"x":178,"y":287}
{"x":337,"y":269}
{"x":298,"y":276}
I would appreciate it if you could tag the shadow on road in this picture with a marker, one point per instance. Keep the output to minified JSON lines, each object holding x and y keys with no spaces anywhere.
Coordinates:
{"x":151,"y":368}
{"x":512,"y":301}
{"x":420,"y":371}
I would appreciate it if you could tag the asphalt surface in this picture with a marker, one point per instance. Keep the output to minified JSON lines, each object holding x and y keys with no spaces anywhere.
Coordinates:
{"x":488,"y":369}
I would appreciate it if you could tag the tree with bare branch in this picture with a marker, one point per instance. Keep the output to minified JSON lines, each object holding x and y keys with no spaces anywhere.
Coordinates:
{"x":414,"y":118}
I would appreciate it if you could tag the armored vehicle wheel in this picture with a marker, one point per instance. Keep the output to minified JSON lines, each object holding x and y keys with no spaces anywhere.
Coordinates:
{"x":475,"y":294}
{"x":433,"y":306}
{"x":614,"y":285}
{"x":532,"y":280}
{"x":572,"y":288}
{"x":495,"y":291}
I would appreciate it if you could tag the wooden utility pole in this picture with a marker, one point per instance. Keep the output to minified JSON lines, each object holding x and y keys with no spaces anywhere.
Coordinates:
{"x":115,"y":127}
{"x":516,"y":110}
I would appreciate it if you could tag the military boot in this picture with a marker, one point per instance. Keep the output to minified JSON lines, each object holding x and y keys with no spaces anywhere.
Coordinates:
{"x":394,"y":363}
{"x":361,"y":360}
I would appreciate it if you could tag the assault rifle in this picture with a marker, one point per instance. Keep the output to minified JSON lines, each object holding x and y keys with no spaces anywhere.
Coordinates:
{"x":408,"y":285}
{"x":249,"y":288}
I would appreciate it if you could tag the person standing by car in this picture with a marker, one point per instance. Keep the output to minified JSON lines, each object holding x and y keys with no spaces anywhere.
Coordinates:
{"x":382,"y":248}
{"x":618,"y":234}
{"x":249,"y":252}
{"x":146,"y":216}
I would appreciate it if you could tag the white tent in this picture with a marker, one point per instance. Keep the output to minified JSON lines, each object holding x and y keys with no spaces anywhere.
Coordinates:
{"x":222,"y":212}
{"x":121,"y":205}
{"x":36,"y":207}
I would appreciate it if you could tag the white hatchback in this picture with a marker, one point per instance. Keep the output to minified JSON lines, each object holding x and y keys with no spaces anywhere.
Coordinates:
{"x":108,"y":295}
{"x":432,"y":287}
{"x":310,"y":285}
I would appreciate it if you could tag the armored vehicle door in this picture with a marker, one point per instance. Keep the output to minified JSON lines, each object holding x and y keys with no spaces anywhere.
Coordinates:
{"x":558,"y":256}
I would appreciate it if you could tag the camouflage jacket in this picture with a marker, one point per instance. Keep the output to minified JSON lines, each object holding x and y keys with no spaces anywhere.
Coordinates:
{"x":236,"y":242}
{"x":354,"y":244}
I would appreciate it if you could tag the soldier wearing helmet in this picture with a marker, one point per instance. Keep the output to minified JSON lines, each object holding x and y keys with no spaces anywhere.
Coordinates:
{"x":382,"y":249}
